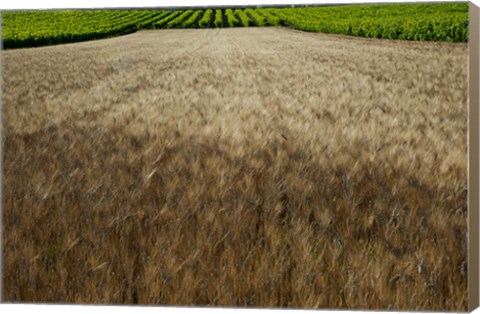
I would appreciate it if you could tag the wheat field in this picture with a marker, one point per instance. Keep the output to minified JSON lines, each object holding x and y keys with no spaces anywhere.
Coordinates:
{"x":260,"y":167}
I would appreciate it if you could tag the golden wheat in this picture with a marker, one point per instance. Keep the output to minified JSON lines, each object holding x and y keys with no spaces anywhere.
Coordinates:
{"x":237,"y":167}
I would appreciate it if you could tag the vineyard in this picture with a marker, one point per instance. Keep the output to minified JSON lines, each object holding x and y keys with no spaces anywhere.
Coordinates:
{"x":427,"y":22}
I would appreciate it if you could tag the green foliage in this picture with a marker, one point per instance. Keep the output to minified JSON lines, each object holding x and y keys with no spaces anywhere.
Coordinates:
{"x":178,"y":21}
{"x":206,"y":18}
{"x":439,"y":22}
{"x":163,"y":22}
{"x":231,"y":19}
{"x":419,"y":21}
{"x":270,"y":18}
{"x":190,"y":22}
{"x":242,"y":17}
{"x":37,"y":28}
{"x":148,"y":23}
{"x":258,"y":18}
{"x":218,"y":18}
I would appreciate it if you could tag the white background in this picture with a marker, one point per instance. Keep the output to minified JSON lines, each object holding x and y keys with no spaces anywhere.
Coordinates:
{"x":51,"y":4}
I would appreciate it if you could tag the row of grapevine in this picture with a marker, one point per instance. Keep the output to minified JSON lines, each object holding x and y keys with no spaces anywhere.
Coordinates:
{"x":243,"y":18}
{"x":190,"y":22}
{"x":231,"y":18}
{"x":178,"y":21}
{"x":218,"y":18}
{"x":259,"y":19}
{"x":162,"y":22}
{"x":148,"y":23}
{"x":435,"y":22}
{"x":420,"y":21}
{"x":206,"y":18}
{"x":31,"y":29}
{"x":269,"y":17}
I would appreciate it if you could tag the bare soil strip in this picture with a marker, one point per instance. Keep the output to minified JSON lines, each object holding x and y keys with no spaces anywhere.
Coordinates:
{"x":261,"y":167}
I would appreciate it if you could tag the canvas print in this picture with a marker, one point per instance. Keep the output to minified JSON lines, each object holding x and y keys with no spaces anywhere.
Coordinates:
{"x":309,"y":157}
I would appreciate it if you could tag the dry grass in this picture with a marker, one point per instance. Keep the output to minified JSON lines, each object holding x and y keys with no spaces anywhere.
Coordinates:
{"x":236,"y":167}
